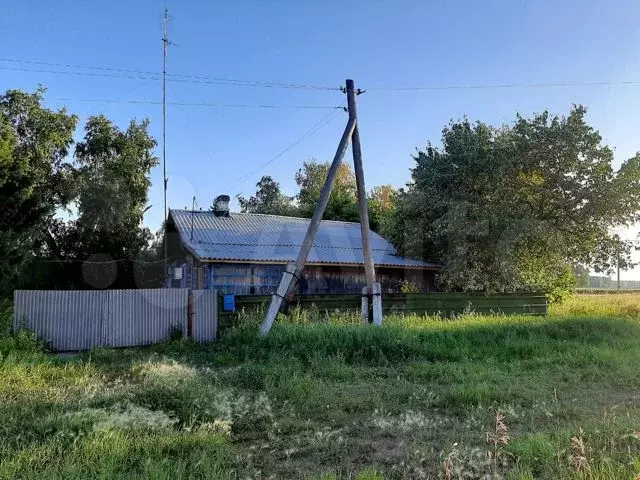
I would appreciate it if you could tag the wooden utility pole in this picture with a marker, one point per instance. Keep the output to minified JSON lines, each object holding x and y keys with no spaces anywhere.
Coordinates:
{"x":618,"y":269}
{"x":165,"y":45}
{"x":362,"y":191}
{"x":293,"y":270}
{"x":369,"y":270}
{"x":617,"y":238}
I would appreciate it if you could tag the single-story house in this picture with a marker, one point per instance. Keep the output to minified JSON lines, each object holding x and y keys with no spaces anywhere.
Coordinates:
{"x":245,"y":254}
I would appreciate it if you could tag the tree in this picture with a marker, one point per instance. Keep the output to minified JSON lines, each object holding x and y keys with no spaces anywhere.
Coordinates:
{"x":112,"y":183}
{"x":343,"y":202}
{"x":268,"y":199}
{"x":514,"y":208}
{"x":582,"y":276}
{"x":35,"y":178}
{"x":381,"y":202}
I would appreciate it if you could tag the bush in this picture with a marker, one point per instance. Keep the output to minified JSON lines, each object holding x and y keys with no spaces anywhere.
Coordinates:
{"x":6,"y":317}
{"x":23,"y":341}
{"x":175,"y":334}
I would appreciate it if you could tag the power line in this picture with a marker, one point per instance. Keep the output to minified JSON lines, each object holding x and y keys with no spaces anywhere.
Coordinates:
{"x":88,"y":67}
{"x":148,"y":75}
{"x":87,"y":74}
{"x":320,"y":124}
{"x":505,"y":85}
{"x":196,"y":104}
{"x":92,"y":262}
{"x":208,"y":79}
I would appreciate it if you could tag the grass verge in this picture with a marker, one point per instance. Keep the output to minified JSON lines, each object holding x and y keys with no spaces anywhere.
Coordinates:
{"x":474,"y":397}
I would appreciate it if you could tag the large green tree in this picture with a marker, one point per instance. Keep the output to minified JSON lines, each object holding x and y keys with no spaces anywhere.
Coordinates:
{"x":112,"y":184}
{"x":343,"y":202}
{"x":381,"y":201}
{"x":517,"y":207}
{"x":342,"y":205}
{"x":268,"y":199}
{"x":35,"y":176}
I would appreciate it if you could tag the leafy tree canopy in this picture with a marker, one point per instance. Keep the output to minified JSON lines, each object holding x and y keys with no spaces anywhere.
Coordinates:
{"x":268,"y":199}
{"x":101,"y":188}
{"x":112,"y":183}
{"x":343,"y":202}
{"x":35,"y":178}
{"x":517,"y":207}
{"x":381,"y":201}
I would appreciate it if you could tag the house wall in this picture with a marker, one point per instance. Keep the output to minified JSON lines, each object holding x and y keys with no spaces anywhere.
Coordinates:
{"x":261,"y":279}
{"x":332,"y":279}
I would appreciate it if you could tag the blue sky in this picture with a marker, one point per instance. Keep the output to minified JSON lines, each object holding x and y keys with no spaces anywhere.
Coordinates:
{"x":378,"y":43}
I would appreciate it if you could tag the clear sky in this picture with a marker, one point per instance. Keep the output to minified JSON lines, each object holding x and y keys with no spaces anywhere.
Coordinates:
{"x":378,"y":43}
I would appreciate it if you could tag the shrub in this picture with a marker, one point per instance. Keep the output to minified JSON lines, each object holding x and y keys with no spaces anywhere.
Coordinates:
{"x":23,"y":341}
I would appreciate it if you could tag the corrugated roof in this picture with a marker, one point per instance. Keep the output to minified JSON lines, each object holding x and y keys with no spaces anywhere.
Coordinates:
{"x":253,"y":237}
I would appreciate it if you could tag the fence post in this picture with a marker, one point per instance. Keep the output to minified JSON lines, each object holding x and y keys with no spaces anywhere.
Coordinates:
{"x":190,"y":314}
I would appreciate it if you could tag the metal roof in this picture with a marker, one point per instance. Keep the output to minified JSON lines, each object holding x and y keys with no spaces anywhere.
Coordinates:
{"x":252,"y":237}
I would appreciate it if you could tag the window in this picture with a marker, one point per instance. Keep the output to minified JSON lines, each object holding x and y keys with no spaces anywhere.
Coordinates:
{"x":245,"y":279}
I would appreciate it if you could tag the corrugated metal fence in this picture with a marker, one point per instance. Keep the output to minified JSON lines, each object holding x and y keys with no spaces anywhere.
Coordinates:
{"x":80,"y":320}
{"x":205,"y":315}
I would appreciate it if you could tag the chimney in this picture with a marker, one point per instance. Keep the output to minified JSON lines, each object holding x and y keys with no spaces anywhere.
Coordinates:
{"x":221,"y":206}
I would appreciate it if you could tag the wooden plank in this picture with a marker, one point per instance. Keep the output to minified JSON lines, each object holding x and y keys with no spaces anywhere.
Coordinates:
{"x":429,"y":304}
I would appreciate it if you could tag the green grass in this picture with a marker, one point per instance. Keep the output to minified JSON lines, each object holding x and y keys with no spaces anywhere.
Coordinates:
{"x":325,"y":398}
{"x":613,"y":304}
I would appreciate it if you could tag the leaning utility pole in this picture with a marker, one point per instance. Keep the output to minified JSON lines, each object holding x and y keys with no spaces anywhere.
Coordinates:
{"x":165,"y":45}
{"x":294,"y":270}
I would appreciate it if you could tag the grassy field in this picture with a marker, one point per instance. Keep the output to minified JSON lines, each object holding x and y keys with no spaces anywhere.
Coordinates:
{"x":475,"y":397}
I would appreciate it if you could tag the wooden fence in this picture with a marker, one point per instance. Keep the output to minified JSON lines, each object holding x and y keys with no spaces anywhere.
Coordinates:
{"x":445,"y":304}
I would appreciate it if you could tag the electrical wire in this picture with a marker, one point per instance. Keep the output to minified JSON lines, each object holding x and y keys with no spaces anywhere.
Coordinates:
{"x":147,"y":75}
{"x":198,"y":104}
{"x":319,"y":125}
{"x":208,"y":79}
{"x":504,"y":85}
{"x":91,"y":262}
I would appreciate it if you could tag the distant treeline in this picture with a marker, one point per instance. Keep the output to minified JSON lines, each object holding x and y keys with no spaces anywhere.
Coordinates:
{"x":607,"y":283}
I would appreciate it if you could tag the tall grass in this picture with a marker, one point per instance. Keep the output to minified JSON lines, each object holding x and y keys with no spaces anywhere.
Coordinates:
{"x":617,"y":304}
{"x":6,"y":316}
{"x":326,"y":397}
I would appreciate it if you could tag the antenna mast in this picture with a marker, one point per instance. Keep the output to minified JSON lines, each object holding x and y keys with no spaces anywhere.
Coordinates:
{"x":165,"y":45}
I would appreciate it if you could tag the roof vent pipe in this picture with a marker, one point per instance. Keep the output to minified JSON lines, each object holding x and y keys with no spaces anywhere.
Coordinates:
{"x":221,"y":206}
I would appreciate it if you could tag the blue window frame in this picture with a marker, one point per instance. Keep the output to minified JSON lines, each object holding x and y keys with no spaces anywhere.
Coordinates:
{"x":245,"y":279}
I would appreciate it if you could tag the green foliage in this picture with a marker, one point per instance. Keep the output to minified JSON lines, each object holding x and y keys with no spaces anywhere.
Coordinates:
{"x":408,"y":287}
{"x":381,"y":202}
{"x":22,"y":341}
{"x":343,"y":202}
{"x":616,"y":304}
{"x":35,"y":178}
{"x":6,"y":316}
{"x":268,"y":200}
{"x":106,"y":182}
{"x":175,"y":334}
{"x":582,"y":276}
{"x":513,"y":208}
{"x":112,"y":183}
{"x":333,"y":400}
